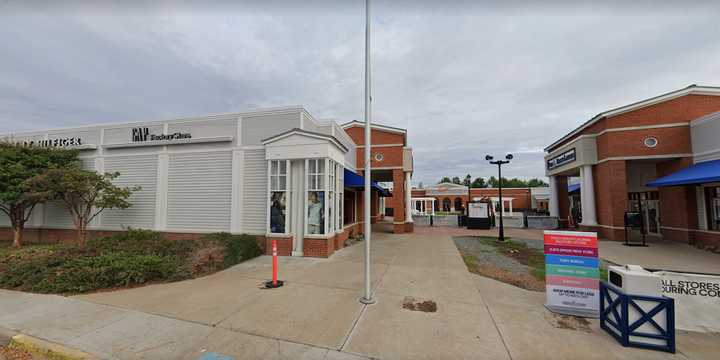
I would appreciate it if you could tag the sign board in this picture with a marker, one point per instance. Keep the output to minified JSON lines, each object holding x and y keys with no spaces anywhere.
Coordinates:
{"x":572,"y":273}
{"x":142,"y":134}
{"x":562,"y":159}
{"x":478,"y":210}
{"x":697,"y":300}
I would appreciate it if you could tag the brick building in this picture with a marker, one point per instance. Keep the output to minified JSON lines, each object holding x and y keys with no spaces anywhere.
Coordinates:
{"x":622,"y":155}
{"x":449,"y":197}
{"x":278,"y":174}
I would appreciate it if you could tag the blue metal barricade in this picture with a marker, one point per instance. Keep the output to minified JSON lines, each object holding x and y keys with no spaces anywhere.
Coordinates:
{"x":639,"y":321}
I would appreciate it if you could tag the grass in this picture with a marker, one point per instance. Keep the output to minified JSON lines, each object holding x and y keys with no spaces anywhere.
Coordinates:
{"x":126,"y":259}
{"x":533,"y":258}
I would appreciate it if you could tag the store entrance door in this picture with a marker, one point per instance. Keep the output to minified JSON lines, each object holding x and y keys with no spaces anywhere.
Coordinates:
{"x":651,"y":212}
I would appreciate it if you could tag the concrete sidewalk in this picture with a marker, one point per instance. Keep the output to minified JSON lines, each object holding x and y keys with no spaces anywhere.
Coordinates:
{"x":317,"y":314}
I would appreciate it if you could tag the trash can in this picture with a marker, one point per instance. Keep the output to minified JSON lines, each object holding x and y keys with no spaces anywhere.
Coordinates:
{"x":634,"y":311}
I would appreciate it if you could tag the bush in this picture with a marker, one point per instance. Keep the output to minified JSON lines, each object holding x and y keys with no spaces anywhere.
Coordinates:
{"x":126,"y":259}
{"x":238,"y":248}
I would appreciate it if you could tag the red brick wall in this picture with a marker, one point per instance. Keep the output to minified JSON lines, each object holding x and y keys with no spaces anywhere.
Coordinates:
{"x":678,"y":205}
{"x":611,"y":193}
{"x":357,"y":134}
{"x":398,"y":200}
{"x":284,"y":245}
{"x":391,"y":156}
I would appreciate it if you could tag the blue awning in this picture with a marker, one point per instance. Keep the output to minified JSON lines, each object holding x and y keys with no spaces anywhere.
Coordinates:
{"x":700,"y":173}
{"x":573,"y":188}
{"x":355,"y":181}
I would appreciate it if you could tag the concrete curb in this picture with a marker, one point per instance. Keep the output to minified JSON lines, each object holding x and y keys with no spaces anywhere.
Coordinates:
{"x":47,"y":349}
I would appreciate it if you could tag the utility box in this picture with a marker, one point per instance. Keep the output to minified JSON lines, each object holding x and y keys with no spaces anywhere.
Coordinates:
{"x":633,"y":279}
{"x":479,"y":215}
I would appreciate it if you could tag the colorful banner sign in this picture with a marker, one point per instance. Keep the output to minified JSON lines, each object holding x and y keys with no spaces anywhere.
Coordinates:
{"x":572,"y":273}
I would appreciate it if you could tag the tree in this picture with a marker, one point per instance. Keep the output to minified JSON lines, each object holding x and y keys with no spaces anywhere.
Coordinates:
{"x":18,"y":165}
{"x":445,"y":179}
{"x":468,"y":180}
{"x":478,"y":183}
{"x":536,"y":183}
{"x":456,"y":180}
{"x":85,"y":194}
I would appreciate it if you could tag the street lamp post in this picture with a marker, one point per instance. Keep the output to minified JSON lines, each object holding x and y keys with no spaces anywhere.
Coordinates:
{"x":468,"y":180}
{"x":500,"y":163}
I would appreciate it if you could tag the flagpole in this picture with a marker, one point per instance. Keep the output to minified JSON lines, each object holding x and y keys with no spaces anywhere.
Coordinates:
{"x":367,"y":298}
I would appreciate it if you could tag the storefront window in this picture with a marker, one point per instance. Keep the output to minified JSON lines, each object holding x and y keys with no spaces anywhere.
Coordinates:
{"x":278,"y":196}
{"x":331,"y":194}
{"x":340,"y":196}
{"x":712,"y":195}
{"x":315,"y":223}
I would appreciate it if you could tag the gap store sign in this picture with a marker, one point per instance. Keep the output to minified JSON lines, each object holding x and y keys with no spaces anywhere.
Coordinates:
{"x":572,"y":273}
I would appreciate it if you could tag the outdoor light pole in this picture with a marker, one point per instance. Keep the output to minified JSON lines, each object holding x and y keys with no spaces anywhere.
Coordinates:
{"x":500,"y":163}
{"x":367,"y":297}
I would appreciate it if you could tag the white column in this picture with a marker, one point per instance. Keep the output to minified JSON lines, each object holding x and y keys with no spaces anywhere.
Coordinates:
{"x":408,"y":196}
{"x":510,"y":202}
{"x":433,"y":206}
{"x":553,"y":204}
{"x":587,"y":196}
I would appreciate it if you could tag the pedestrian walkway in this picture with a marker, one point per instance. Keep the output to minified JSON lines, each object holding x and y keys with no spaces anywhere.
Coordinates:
{"x":317,"y":314}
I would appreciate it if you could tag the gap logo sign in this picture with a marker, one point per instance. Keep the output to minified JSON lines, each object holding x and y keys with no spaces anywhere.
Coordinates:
{"x":140,"y":134}
{"x":572,"y":273}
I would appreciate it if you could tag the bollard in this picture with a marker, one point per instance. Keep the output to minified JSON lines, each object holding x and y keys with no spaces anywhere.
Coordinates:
{"x":274,"y":283}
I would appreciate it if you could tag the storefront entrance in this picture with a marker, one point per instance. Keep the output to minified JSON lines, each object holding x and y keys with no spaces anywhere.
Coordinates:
{"x":648,"y":204}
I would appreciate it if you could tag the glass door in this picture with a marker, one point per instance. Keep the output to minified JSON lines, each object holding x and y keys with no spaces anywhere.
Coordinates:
{"x":651,"y":210}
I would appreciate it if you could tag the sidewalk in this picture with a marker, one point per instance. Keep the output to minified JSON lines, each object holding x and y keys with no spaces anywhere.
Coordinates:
{"x":317,"y":314}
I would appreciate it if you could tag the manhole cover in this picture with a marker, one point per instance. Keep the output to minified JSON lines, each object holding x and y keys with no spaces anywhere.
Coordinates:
{"x":411,"y":304}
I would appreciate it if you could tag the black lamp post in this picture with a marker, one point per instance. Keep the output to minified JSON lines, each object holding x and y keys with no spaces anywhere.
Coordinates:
{"x":468,"y":181}
{"x":499,"y":163}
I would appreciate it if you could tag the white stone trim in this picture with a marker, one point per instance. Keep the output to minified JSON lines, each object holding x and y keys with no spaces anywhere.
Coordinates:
{"x":645,"y":157}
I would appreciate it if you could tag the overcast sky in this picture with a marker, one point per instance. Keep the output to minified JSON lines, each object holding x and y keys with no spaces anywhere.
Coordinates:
{"x":465,"y":79}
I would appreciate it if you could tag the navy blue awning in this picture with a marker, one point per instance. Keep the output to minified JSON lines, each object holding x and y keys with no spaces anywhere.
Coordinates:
{"x":700,"y":173}
{"x":355,"y":181}
{"x":573,"y":188}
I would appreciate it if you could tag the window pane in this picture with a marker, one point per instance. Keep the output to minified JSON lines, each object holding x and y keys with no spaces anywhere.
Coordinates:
{"x":331,"y":218}
{"x":273,"y":168}
{"x":273,"y":183}
{"x":320,"y":182}
{"x":283,"y":167}
{"x":321,"y":166}
{"x":311,"y":167}
{"x":277,"y":212}
{"x":316,"y":213}
{"x":283,"y":183}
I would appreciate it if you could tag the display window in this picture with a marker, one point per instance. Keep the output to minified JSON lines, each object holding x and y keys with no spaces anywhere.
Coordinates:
{"x":278,"y":196}
{"x":341,"y":196}
{"x":315,"y":224}
{"x":712,"y":196}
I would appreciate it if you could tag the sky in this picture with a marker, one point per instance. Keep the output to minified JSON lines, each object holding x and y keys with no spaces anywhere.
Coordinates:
{"x":464,"y":78}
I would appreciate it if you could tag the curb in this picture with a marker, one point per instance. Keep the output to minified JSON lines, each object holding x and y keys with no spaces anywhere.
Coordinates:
{"x":47,"y":349}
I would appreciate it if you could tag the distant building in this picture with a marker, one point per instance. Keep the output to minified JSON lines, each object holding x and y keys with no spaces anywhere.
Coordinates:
{"x":450,"y":197}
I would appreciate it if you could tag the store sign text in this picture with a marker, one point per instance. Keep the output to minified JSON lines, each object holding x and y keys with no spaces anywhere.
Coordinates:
{"x":562,"y":159}
{"x":142,"y":134}
{"x":60,"y":142}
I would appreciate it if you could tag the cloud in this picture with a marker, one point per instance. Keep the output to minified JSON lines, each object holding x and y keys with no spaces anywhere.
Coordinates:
{"x":466,"y":79}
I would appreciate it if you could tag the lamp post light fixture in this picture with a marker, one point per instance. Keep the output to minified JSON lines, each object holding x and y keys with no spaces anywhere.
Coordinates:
{"x":500,"y":163}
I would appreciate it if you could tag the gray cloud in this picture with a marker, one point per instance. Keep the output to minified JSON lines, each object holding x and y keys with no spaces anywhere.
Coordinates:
{"x":466,"y":79}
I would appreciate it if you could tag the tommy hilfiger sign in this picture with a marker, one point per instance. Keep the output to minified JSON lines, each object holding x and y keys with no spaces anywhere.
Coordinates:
{"x":142,"y":134}
{"x":60,"y":142}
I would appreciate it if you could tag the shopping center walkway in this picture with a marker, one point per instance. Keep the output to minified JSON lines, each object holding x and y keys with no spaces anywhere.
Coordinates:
{"x":317,"y":314}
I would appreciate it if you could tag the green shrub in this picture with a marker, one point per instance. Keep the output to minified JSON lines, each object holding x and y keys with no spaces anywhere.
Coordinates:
{"x":138,"y":241}
{"x":238,"y":248}
{"x":125,"y":259}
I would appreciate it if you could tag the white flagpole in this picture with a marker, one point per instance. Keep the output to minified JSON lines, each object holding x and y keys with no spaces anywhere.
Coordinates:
{"x":367,"y":298}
